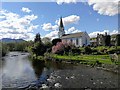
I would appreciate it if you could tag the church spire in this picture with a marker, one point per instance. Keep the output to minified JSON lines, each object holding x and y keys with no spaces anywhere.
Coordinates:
{"x":61,"y":29}
{"x":61,"y":22}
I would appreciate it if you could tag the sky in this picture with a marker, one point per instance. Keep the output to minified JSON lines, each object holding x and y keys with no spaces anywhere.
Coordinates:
{"x":22,"y":20}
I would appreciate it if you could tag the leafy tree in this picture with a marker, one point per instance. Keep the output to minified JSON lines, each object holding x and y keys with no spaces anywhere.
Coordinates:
{"x":48,"y":44}
{"x":55,"y":41}
{"x":88,"y":50}
{"x":118,"y":39}
{"x":39,"y":47}
{"x":107,"y":40}
{"x":46,"y":40}
{"x":37,"y":38}
{"x":3,"y":49}
{"x":62,"y":48}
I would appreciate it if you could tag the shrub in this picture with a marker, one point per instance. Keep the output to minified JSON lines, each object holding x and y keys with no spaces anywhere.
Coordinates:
{"x":62,"y":47}
{"x":76,"y":51}
{"x":88,"y":50}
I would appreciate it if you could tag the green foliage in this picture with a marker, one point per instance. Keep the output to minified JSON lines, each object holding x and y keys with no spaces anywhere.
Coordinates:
{"x":107,"y":40}
{"x":75,"y":51}
{"x":88,"y":50}
{"x":37,"y":38}
{"x":118,"y":39}
{"x":15,"y":46}
{"x":55,"y":41}
{"x":90,"y":58}
{"x":3,"y":49}
{"x":38,"y":48}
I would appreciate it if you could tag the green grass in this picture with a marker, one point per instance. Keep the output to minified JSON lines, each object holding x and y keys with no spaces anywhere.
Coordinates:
{"x":91,"y":58}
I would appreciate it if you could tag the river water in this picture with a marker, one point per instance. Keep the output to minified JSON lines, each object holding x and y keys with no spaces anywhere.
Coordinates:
{"x":20,"y":72}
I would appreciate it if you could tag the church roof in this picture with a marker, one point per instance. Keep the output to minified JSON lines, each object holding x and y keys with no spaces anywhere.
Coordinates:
{"x":73,"y":35}
{"x":61,"y":22}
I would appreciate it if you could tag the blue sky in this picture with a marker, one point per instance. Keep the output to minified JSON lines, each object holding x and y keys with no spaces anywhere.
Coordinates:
{"x":45,"y":19}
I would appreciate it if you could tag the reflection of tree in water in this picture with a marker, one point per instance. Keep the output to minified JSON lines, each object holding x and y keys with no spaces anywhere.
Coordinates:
{"x":38,"y":67}
{"x":58,"y":65}
{"x":2,"y":63}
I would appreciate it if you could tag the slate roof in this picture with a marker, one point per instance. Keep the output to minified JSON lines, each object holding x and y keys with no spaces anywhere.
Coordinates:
{"x":73,"y":35}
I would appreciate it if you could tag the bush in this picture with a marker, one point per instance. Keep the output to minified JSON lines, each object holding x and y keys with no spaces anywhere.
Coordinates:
{"x":76,"y":51}
{"x":88,"y":50}
{"x":62,"y":48}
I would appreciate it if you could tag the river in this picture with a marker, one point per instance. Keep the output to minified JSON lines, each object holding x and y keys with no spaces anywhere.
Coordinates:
{"x":20,"y":72}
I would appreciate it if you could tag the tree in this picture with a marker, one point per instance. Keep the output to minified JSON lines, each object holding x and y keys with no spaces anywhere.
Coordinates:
{"x":62,"y":47}
{"x":46,"y":40}
{"x":118,"y":40}
{"x":37,"y":38}
{"x":107,"y":40}
{"x":55,"y":41}
{"x":39,"y":47}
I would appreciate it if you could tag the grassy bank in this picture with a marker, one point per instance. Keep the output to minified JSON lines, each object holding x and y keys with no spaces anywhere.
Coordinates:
{"x":90,"y":58}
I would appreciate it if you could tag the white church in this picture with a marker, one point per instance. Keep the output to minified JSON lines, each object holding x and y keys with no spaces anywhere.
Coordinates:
{"x":78,"y":39}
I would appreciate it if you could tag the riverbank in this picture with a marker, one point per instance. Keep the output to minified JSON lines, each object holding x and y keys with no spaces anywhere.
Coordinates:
{"x":82,"y":77}
{"x":99,"y":61}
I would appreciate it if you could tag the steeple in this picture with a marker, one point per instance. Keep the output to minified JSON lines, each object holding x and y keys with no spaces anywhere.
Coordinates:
{"x":61,"y":29}
{"x":61,"y":22}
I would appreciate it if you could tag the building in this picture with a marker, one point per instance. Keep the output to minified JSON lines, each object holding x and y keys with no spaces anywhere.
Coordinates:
{"x":93,"y":41}
{"x":115,"y":40}
{"x":78,"y":39}
{"x":105,"y":40}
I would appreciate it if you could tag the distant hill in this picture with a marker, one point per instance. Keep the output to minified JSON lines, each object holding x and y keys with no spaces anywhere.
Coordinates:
{"x":11,"y":40}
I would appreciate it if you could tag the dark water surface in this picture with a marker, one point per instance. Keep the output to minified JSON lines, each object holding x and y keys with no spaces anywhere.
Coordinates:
{"x":20,"y":72}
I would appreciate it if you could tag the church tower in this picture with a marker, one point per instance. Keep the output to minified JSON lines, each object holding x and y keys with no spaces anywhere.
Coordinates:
{"x":61,"y":29}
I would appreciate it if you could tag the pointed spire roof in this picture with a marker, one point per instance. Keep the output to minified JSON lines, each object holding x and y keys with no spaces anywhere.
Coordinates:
{"x":61,"y":22}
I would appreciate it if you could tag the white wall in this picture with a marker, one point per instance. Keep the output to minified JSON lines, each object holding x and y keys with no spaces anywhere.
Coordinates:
{"x":81,"y":40}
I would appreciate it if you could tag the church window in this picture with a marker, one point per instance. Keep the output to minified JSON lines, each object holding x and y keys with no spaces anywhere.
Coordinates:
{"x":76,"y":41}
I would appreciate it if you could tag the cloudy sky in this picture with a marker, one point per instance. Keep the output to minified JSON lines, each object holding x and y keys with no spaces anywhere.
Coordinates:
{"x":22,"y":20}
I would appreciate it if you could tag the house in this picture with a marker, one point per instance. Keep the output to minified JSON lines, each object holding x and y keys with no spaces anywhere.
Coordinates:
{"x":103,"y":40}
{"x":115,"y":40}
{"x":78,"y":39}
{"x":93,"y":41}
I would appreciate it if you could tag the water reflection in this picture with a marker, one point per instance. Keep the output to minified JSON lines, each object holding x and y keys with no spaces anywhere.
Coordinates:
{"x":18,"y":71}
{"x":38,"y":67}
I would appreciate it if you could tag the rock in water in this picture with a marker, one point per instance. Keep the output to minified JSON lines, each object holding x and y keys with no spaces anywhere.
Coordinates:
{"x":58,"y":85}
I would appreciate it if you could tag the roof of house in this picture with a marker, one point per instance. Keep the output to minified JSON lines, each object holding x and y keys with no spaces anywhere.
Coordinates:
{"x":73,"y":35}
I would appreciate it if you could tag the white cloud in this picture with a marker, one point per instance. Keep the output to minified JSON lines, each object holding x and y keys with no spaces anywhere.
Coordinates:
{"x":94,"y":34}
{"x":69,"y":20}
{"x":26,"y":10}
{"x":114,"y":32}
{"x":48,"y":26}
{"x":52,"y":35}
{"x":65,"y":1}
{"x":72,"y":30}
{"x":105,"y":7}
{"x":14,"y":26}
